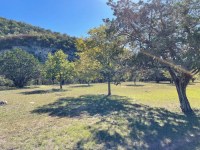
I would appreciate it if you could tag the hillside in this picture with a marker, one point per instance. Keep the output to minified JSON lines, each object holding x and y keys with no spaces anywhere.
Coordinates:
{"x":35,"y":40}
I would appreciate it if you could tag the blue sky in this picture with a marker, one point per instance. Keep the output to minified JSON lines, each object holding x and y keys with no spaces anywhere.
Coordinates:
{"x":74,"y":17}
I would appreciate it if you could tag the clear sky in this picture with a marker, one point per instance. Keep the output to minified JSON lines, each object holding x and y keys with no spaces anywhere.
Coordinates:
{"x":73,"y":17}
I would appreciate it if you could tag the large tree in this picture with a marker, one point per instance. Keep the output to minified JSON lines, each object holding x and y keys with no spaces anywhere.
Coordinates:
{"x":19,"y":66}
{"x":167,"y":31}
{"x":58,"y":67}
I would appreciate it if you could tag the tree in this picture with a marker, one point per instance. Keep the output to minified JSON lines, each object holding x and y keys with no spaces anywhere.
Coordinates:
{"x":19,"y":66}
{"x":167,"y":75}
{"x":49,"y":68}
{"x":87,"y":69}
{"x":58,"y":67}
{"x":103,"y":49}
{"x":166,"y":31}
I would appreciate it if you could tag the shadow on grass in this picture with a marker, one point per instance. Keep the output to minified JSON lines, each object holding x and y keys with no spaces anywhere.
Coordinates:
{"x":196,"y":82}
{"x":172,"y":84}
{"x":124,"y":125}
{"x":81,"y":86}
{"x":166,"y":83}
{"x":135,"y":85}
{"x":42,"y":91}
{"x":90,"y":105}
{"x":5,"y":88}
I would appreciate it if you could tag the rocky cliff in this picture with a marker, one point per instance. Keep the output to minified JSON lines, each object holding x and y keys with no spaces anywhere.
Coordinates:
{"x":34,"y":40}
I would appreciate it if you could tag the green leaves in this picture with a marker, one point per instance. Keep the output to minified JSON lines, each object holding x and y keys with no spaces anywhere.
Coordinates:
{"x":58,"y":67}
{"x":100,"y":54}
{"x":19,"y":66}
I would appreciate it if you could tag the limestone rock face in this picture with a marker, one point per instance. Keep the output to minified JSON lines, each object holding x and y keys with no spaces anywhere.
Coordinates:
{"x":41,"y":53}
{"x":34,"y":40}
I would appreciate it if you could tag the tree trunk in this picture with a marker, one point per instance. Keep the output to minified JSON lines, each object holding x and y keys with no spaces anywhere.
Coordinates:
{"x":61,"y":81}
{"x":109,"y":86}
{"x":61,"y":84}
{"x":53,"y":81}
{"x":134,"y":81}
{"x":184,"y":103}
{"x":19,"y":83}
{"x":157,"y":81}
{"x":181,"y":83}
{"x":37,"y":82}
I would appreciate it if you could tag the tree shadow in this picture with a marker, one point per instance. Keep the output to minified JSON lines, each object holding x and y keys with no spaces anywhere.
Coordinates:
{"x":81,"y":86}
{"x":135,"y":85}
{"x":191,"y":83}
{"x":110,"y":141}
{"x":89,"y":104}
{"x":42,"y":91}
{"x":166,"y":83}
{"x":124,"y":125}
{"x":196,"y":81}
{"x":4,"y":88}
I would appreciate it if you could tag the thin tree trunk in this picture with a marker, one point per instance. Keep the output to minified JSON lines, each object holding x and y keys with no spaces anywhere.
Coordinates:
{"x":61,"y":84}
{"x":53,"y":81}
{"x":61,"y":81}
{"x":109,"y":86}
{"x":181,"y":84}
{"x":134,"y":81}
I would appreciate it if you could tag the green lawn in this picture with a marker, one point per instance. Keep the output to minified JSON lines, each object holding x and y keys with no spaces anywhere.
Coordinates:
{"x":145,"y":116}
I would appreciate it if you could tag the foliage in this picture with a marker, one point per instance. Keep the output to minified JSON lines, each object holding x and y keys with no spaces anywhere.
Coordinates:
{"x":5,"y":82}
{"x":156,"y":74}
{"x":58,"y":67}
{"x":19,"y":66}
{"x":166,"y":31}
{"x":87,"y":69}
{"x":103,"y":50}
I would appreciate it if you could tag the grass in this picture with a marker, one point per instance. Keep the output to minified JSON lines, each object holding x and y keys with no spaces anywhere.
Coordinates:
{"x":146,"y":116}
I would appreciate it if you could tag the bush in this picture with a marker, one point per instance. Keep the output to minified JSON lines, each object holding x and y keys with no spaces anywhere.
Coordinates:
{"x":5,"y":82}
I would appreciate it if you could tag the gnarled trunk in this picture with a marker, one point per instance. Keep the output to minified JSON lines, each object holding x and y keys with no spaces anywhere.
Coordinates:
{"x":181,"y":83}
{"x":184,"y":103}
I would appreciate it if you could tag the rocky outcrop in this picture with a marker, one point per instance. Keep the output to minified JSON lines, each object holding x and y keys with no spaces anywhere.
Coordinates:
{"x":34,"y":40}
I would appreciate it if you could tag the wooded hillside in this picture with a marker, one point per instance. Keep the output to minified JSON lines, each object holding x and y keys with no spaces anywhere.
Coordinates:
{"x":35,"y":40}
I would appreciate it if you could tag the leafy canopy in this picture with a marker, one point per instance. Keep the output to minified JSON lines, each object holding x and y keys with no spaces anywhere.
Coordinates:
{"x":19,"y":66}
{"x":58,"y":67}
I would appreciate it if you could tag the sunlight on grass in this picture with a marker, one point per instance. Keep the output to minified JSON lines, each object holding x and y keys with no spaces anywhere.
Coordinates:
{"x":145,"y":116}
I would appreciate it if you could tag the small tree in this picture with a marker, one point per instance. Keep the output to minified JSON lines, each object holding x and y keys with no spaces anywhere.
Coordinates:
{"x":102,"y":48}
{"x":19,"y":66}
{"x":49,"y":71}
{"x":58,"y":67}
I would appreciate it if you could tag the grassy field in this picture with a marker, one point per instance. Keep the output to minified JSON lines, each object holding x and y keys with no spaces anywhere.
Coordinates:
{"x":145,"y":116}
